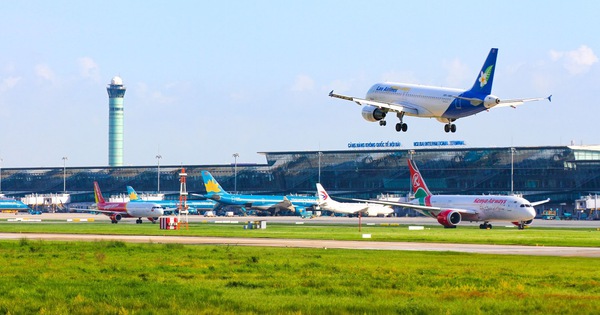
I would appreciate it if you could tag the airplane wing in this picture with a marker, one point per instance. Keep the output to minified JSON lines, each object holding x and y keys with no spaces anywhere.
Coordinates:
{"x":516,"y":102}
{"x":390,"y":106}
{"x":537,"y":203}
{"x":428,"y":210}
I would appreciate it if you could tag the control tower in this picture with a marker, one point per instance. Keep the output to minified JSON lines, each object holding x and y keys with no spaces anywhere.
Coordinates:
{"x":116,"y":92}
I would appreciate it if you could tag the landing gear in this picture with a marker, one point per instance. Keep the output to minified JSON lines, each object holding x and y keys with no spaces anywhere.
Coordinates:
{"x":450,"y":127}
{"x":485,"y":226}
{"x":382,"y":123}
{"x":138,"y":221}
{"x":521,"y":226}
{"x":401,"y":126}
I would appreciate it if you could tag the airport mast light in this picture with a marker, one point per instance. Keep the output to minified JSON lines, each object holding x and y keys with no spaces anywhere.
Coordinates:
{"x":1,"y":160}
{"x":235,"y":156}
{"x":158,"y":157}
{"x":320,"y":155}
{"x":64,"y":158}
{"x":512,"y":169}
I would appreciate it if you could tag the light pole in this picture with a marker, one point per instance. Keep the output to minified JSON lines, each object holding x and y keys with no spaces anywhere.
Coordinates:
{"x":411,"y":153}
{"x":235,"y":156}
{"x":1,"y":160}
{"x":158,"y":157}
{"x":64,"y":158}
{"x":512,"y":169}
{"x":320,"y":155}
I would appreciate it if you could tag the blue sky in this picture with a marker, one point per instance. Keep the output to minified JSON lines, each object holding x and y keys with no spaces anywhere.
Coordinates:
{"x":208,"y":79}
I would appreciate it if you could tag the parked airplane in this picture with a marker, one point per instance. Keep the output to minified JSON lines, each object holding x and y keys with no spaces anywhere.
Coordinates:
{"x":369,"y":209}
{"x":118,"y":210}
{"x":10,"y":204}
{"x":194,"y":206}
{"x":444,"y":104}
{"x":450,"y":210}
{"x":271,"y":203}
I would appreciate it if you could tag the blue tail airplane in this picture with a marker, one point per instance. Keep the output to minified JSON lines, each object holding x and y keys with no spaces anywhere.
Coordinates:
{"x":194,"y":206}
{"x":444,"y":104}
{"x":270,"y":203}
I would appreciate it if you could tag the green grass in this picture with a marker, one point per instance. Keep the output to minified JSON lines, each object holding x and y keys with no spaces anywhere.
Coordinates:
{"x":40,"y":277}
{"x":435,"y":233}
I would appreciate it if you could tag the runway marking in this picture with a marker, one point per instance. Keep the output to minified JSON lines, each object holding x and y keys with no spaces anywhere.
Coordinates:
{"x":560,"y":251}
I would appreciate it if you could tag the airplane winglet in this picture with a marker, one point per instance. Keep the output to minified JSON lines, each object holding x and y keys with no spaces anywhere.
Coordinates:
{"x":549,"y":98}
{"x":331,"y":93}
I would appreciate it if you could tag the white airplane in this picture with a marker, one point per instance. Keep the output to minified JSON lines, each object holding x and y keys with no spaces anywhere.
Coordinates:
{"x":450,"y":210}
{"x":371,"y":210}
{"x":118,"y":210}
{"x":444,"y":104}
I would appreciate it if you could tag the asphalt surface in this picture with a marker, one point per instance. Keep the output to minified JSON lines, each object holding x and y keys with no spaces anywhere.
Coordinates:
{"x":301,"y":243}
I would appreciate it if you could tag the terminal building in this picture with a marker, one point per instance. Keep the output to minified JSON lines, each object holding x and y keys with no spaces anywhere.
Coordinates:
{"x":562,"y":173}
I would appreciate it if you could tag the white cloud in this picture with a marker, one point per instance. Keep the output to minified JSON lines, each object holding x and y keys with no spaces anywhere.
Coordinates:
{"x":153,"y":96}
{"x":9,"y":83}
{"x":43,"y":71}
{"x":458,"y":73}
{"x":88,"y":68}
{"x":303,"y":83}
{"x":576,"y":61}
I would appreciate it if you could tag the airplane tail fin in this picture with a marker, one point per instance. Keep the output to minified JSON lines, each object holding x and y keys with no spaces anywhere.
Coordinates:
{"x":133,"y":196}
{"x":98,"y":194}
{"x":419,"y":188}
{"x":483,"y":84}
{"x":211,"y":185}
{"x":323,"y":195}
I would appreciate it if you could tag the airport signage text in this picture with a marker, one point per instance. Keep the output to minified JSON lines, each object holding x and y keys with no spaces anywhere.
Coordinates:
{"x":438,"y":143}
{"x":370,"y":145}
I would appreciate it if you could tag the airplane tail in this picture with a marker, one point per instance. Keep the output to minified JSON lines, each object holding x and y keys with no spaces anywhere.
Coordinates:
{"x":483,"y":84}
{"x":211,"y":185}
{"x":323,"y":195}
{"x":419,"y":188}
{"x":98,"y":194}
{"x":133,"y":196}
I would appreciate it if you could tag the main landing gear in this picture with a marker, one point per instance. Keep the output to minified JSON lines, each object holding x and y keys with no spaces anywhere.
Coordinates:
{"x":485,"y":226}
{"x":401,"y":126}
{"x":450,"y":127}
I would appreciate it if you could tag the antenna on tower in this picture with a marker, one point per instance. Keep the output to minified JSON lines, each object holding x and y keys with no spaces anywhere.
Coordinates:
{"x":182,"y":206}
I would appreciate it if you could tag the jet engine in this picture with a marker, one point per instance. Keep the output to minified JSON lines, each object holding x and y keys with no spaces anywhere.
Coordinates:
{"x":115,"y":217}
{"x":373,"y":113}
{"x":449,"y":218}
{"x":491,"y":101}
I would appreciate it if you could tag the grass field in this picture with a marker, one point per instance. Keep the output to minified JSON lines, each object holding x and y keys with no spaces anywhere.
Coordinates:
{"x":435,"y":233}
{"x":41,"y":277}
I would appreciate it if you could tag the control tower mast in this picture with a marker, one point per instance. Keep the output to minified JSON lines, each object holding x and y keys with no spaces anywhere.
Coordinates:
{"x":116,"y":92}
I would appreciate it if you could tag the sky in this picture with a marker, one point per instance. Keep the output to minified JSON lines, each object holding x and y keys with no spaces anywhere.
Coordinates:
{"x":207,"y":79}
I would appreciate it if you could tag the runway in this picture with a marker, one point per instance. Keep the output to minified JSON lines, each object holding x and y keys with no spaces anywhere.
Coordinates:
{"x":325,"y":244}
{"x":303,"y":243}
{"x":316,"y":220}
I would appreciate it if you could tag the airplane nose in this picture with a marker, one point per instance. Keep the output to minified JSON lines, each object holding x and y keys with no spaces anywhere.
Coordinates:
{"x":531,"y":212}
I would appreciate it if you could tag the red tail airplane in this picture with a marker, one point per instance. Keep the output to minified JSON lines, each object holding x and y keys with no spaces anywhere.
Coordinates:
{"x":118,"y":210}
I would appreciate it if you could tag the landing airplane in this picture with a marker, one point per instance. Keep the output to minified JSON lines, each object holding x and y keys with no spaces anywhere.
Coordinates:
{"x":118,"y":210}
{"x":171,"y":205}
{"x":271,"y":203}
{"x":371,"y":210}
{"x":444,"y":104}
{"x":450,"y":210}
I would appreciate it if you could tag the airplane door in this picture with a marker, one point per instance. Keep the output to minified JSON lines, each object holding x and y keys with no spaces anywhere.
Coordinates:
{"x":458,"y":104}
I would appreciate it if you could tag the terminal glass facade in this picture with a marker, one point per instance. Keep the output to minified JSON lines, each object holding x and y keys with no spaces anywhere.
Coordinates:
{"x":561,"y":173}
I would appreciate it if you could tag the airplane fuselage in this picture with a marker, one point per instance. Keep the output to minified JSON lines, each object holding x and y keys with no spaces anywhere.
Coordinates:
{"x":133,"y":209}
{"x":484,"y":208}
{"x":427,"y":101}
{"x":259,"y":202}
